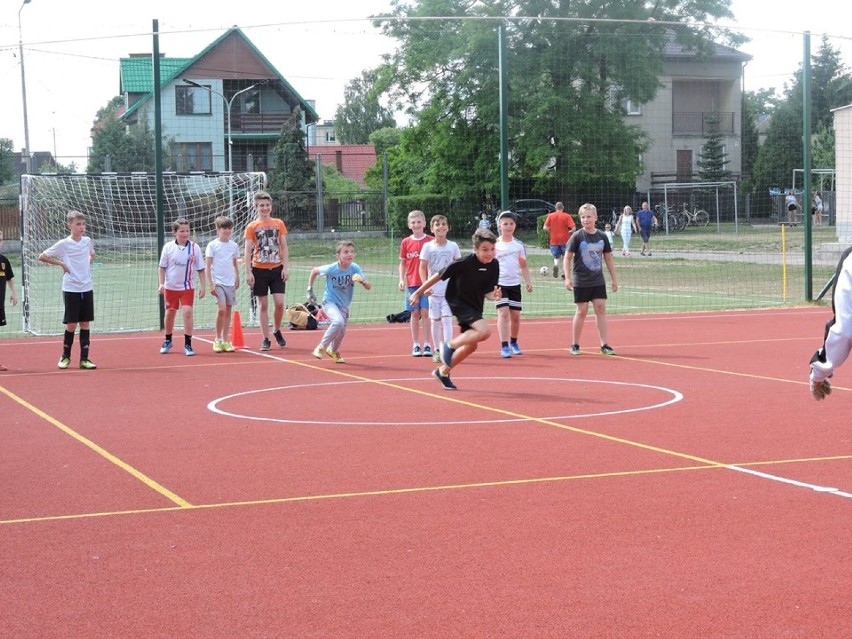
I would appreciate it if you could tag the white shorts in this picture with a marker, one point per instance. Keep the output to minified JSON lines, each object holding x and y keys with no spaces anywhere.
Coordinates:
{"x":438,"y":307}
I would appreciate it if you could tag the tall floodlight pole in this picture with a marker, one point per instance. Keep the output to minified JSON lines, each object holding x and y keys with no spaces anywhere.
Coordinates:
{"x":228,"y":105}
{"x":27,"y":161}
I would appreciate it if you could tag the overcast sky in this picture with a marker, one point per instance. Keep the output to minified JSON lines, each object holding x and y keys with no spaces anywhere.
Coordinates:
{"x":71,"y":51}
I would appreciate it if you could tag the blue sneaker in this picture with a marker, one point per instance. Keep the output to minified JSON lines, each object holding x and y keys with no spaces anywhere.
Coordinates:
{"x":166,"y":347}
{"x":516,"y":350}
{"x":505,"y":352}
{"x":417,"y":351}
{"x":427,"y":351}
{"x":447,"y":355}
{"x":187,"y":350}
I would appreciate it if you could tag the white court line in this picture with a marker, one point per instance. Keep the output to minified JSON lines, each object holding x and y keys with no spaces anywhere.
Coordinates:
{"x":676,"y":398}
{"x":213,"y":405}
{"x":792,"y":482}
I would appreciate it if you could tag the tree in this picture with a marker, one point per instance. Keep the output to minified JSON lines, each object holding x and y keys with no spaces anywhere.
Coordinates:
{"x":781,"y":153}
{"x":565,"y":128}
{"x":293,"y":172}
{"x":117,"y":147}
{"x":7,"y":168}
{"x":713,"y":159}
{"x":361,"y":114}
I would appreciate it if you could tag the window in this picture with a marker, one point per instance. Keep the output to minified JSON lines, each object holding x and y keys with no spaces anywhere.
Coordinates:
{"x":329,"y":135}
{"x":194,"y":156}
{"x":627,"y":105}
{"x":192,"y":101}
{"x":630,"y":107}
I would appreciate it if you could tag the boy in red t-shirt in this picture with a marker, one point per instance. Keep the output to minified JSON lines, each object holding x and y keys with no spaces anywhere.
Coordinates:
{"x":409,"y":281}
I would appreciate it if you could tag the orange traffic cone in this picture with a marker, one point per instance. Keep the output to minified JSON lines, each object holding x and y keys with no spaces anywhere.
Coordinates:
{"x":237,"y":339}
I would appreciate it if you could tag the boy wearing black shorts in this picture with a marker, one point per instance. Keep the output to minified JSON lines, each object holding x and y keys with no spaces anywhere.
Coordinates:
{"x":470,"y":281}
{"x":588,"y":249}
{"x":75,"y":255}
{"x":267,"y":262}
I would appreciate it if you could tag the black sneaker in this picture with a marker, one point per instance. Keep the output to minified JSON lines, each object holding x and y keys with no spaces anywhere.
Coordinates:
{"x":606,"y":349}
{"x":445,"y":380}
{"x":575,"y":349}
{"x":280,"y":339}
{"x":266,"y":344}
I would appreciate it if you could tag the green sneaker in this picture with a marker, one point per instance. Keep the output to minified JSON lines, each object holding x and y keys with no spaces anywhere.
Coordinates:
{"x":87,"y":364}
{"x":228,"y":347}
{"x":218,"y":346}
{"x":64,"y":363}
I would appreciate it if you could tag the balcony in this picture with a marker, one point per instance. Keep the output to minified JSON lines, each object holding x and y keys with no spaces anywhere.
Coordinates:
{"x":702,"y":123}
{"x":258,"y":122}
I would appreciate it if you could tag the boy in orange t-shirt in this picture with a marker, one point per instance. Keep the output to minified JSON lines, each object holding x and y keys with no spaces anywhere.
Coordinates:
{"x":267,"y":263}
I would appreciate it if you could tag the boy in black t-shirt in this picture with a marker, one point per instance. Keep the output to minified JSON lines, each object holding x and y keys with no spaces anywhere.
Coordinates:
{"x":470,"y":281}
{"x":6,"y":275}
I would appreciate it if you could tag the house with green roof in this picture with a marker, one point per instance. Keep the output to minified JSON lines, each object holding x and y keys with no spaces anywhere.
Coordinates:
{"x":222,"y":109}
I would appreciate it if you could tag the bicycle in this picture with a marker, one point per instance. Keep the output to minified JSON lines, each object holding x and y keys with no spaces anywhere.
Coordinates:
{"x":696,"y":217}
{"x":668,"y":219}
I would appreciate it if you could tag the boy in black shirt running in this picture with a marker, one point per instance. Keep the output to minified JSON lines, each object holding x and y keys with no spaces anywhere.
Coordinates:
{"x":470,"y":281}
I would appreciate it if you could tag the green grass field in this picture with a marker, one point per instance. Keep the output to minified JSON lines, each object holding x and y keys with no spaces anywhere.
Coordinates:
{"x":694,"y":270}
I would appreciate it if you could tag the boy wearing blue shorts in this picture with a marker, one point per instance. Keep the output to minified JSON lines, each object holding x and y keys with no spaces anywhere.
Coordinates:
{"x":409,"y":280}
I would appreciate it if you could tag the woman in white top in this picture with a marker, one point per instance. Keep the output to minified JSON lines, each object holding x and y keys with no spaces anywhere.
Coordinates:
{"x":626,"y":225}
{"x":818,"y":209}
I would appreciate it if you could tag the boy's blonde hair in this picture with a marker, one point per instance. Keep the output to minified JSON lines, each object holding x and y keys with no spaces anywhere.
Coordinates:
{"x":591,"y":208}
{"x":73,"y":216}
{"x":224,"y":222}
{"x":262,"y":195}
{"x":437,"y":219}
{"x":415,"y":214}
{"x":342,"y":244}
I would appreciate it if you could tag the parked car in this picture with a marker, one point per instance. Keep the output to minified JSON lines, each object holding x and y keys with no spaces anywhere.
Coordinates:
{"x":529,"y":210}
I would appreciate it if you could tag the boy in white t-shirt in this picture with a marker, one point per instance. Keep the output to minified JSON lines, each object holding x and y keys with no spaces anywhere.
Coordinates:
{"x":75,"y":255}
{"x":179,"y":262}
{"x":434,"y":258}
{"x":512,"y":256}
{"x":223,"y":278}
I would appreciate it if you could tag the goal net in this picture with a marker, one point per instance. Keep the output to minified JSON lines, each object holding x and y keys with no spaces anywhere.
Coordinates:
{"x":121,"y":218}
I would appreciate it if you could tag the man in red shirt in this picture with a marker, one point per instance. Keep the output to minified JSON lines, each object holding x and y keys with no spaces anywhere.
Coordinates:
{"x":560,"y":225}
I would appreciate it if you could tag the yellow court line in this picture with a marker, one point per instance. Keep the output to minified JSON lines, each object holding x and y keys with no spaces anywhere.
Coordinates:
{"x":165,"y":492}
{"x":413,"y":490}
{"x":527,"y":418}
{"x":366,"y":493}
{"x":720,"y":371}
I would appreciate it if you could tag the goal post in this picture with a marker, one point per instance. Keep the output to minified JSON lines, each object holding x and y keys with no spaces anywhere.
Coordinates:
{"x":121,"y":219}
{"x":719,"y":199}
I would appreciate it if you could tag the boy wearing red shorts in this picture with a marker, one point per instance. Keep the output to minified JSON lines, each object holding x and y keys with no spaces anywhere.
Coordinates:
{"x":179,"y":262}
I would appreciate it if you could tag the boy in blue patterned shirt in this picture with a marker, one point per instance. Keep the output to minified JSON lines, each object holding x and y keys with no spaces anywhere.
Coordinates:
{"x":340,"y":279}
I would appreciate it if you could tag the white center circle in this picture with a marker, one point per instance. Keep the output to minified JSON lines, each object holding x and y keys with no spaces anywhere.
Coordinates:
{"x":216,"y":405}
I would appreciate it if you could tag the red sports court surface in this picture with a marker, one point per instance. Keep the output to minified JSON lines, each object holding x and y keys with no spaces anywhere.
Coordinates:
{"x":689,"y":487}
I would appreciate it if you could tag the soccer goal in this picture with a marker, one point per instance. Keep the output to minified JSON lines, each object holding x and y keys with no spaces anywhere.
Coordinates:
{"x":121,"y":218}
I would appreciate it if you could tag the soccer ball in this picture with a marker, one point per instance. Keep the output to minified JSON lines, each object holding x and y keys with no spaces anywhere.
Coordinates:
{"x":543,"y":270}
